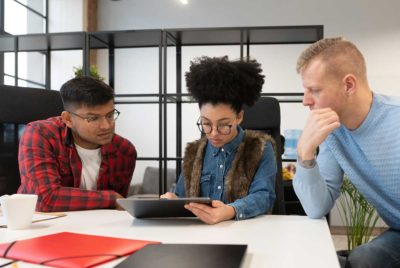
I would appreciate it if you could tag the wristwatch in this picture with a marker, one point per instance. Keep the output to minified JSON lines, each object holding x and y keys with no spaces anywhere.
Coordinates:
{"x":306,"y":163}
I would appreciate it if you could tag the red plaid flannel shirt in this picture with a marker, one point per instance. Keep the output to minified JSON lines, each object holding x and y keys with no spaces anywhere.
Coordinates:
{"x":51,"y":168}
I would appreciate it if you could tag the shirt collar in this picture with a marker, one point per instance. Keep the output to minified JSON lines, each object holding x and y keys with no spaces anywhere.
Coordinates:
{"x":368,"y":120}
{"x":69,"y":140}
{"x":229,"y":147}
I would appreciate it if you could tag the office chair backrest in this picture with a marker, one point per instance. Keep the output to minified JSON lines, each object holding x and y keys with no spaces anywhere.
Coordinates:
{"x":265,"y":116}
{"x":150,"y":182}
{"x":19,"y":106}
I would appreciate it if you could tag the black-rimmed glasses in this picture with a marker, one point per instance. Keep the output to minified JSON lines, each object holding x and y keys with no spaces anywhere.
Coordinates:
{"x":206,"y":127}
{"x":95,"y":120}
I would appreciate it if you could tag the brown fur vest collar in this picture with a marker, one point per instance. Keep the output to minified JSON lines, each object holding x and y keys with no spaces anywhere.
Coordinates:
{"x":240,"y":175}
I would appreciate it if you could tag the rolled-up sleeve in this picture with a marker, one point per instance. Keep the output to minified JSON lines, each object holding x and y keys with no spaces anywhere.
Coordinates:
{"x":261,"y":196}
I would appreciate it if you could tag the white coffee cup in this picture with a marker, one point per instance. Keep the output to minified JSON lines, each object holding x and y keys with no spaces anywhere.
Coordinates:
{"x":18,"y":210}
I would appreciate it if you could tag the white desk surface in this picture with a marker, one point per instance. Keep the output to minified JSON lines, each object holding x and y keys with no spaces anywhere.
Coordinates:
{"x":273,"y":241}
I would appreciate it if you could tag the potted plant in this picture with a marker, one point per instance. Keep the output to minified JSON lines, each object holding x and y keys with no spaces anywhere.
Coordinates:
{"x":358,"y":216}
{"x":93,"y":72}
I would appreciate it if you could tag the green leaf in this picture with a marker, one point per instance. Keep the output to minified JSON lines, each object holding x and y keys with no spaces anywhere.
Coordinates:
{"x":93,"y":72}
{"x":357,"y":214}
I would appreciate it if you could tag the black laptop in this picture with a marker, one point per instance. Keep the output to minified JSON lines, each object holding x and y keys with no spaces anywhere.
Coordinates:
{"x":145,"y":207}
{"x":187,"y":256}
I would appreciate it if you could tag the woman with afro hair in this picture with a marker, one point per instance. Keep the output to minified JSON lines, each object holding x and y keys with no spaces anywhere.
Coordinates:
{"x":235,"y":168}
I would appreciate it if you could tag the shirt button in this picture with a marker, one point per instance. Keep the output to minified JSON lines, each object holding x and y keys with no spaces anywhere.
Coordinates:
{"x":222,"y":149}
{"x":219,"y":187}
{"x":240,"y":215}
{"x":221,"y":166}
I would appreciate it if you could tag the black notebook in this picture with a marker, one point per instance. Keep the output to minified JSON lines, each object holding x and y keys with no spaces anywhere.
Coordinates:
{"x":187,"y":255}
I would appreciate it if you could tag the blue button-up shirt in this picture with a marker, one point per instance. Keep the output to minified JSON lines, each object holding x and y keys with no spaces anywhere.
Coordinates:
{"x":216,"y":164}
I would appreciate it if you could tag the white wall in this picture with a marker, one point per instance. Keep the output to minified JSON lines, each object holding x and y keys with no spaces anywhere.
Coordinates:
{"x":65,"y":16}
{"x":374,"y":26}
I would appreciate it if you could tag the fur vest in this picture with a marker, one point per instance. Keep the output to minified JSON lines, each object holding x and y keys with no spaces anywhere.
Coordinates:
{"x":240,"y":175}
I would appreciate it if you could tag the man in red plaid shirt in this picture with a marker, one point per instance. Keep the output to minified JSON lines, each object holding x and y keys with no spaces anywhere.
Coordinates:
{"x":75,"y":161}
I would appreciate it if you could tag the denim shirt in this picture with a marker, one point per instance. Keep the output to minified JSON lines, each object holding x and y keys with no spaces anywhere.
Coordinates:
{"x":216,"y":164}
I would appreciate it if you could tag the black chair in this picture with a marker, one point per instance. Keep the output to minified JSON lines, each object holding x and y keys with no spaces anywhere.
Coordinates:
{"x":149,"y":185}
{"x":19,"y":106}
{"x":265,"y":116}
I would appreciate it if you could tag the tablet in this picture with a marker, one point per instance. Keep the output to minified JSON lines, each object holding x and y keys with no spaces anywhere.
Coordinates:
{"x":144,"y":207}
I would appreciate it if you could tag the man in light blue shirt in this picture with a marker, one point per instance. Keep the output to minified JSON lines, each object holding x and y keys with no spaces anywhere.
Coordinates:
{"x":358,"y":134}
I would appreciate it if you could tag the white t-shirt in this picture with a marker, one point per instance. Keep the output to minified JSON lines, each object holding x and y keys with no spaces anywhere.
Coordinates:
{"x":91,"y":160}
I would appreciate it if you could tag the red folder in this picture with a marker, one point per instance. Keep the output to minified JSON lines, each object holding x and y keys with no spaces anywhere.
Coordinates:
{"x":71,"y":249}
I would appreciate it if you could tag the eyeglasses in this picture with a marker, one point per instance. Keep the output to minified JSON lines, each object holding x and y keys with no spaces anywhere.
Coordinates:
{"x":95,"y":120}
{"x":206,"y":128}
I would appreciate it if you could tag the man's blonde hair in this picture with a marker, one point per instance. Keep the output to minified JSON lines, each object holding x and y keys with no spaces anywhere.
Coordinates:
{"x":340,"y":57}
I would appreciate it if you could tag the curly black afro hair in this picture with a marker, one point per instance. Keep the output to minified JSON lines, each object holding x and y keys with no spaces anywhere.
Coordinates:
{"x":218,"y":80}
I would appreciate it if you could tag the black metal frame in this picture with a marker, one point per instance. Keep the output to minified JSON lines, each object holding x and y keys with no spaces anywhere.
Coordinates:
{"x":2,"y":16}
{"x":16,"y":46}
{"x":162,"y":39}
{"x":242,"y":36}
{"x":2,"y":32}
{"x":112,"y":40}
{"x":45,"y":43}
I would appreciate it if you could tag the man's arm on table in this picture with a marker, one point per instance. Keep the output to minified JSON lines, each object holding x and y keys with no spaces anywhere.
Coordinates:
{"x":40,"y":175}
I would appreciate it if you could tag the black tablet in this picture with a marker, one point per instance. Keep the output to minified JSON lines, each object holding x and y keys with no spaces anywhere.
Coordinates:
{"x":144,"y":207}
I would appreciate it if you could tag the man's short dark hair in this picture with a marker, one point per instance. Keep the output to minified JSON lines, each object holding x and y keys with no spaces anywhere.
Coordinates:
{"x":218,"y":80}
{"x":85,"y":91}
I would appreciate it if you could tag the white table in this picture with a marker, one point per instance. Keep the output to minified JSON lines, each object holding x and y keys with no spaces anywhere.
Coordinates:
{"x":273,"y":241}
